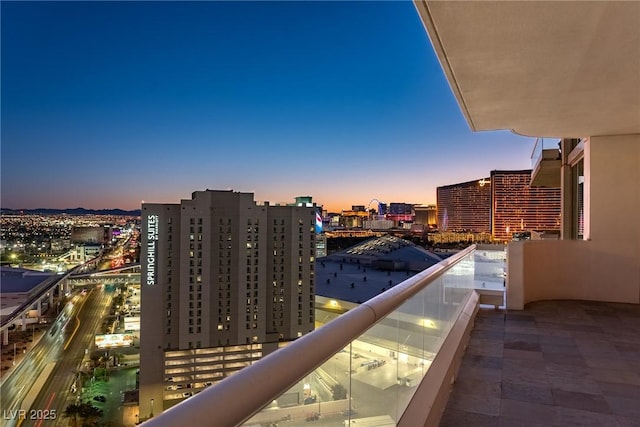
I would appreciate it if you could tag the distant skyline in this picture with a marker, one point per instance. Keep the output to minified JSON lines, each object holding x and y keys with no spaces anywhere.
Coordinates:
{"x":108,"y":104}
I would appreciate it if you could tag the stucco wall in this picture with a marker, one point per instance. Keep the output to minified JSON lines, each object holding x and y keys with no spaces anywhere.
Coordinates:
{"x":570,"y":269}
{"x":606,"y":267}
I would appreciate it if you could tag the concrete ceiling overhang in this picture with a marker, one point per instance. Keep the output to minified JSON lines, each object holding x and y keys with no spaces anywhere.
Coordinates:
{"x":541,"y":68}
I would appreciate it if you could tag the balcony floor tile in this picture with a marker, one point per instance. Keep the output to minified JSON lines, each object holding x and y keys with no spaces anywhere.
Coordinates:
{"x":556,"y":363}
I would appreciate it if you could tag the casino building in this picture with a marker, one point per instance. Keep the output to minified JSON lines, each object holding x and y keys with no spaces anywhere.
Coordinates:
{"x":502,"y":204}
{"x":518,"y":207}
{"x":465,"y":206}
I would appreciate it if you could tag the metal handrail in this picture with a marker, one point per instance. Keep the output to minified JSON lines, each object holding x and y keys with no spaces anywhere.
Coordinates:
{"x":236,"y":399}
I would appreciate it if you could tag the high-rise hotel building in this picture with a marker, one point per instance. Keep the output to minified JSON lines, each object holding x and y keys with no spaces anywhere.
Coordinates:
{"x":465,"y":206}
{"x":225,"y":281}
{"x":517,"y":206}
{"x":503,"y":204}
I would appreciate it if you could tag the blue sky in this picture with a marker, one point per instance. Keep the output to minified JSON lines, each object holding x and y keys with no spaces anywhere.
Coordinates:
{"x":107,"y":104}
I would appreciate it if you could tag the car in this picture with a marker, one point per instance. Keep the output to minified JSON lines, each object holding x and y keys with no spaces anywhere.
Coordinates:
{"x":187,"y":394}
{"x":100,"y":399}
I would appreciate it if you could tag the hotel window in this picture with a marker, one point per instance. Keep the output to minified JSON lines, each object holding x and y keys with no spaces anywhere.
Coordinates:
{"x":578,"y":214}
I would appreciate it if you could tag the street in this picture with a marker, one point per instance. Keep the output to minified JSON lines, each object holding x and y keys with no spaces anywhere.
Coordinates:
{"x":71,"y":335}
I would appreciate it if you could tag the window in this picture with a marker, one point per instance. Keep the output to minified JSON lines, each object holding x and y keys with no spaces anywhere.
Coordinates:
{"x":578,"y":212}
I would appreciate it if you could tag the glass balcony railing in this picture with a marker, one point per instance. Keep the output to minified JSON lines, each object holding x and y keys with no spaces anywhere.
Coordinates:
{"x":544,"y":148}
{"x":363,"y":365}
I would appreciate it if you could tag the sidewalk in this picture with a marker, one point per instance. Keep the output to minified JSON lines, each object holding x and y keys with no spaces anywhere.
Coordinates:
{"x":130,"y":416}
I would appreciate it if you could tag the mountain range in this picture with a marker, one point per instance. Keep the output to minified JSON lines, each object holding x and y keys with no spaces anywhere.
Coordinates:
{"x":74,"y":211}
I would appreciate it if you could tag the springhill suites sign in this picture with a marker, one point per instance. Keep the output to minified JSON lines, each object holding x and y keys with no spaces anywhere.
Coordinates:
{"x":152,"y":248}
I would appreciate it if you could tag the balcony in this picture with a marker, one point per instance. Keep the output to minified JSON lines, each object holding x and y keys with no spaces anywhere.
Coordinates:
{"x":560,"y":363}
{"x":545,"y":163}
{"x":391,"y":359}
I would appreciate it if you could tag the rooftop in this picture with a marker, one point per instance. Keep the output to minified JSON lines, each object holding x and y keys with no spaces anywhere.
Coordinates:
{"x":16,"y":280}
{"x":363,"y":271}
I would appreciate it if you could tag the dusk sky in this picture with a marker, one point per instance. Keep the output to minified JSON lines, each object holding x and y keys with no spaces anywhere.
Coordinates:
{"x":106,"y":105}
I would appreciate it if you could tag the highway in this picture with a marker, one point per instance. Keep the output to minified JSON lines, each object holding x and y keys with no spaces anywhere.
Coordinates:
{"x":70,"y":336}
{"x":56,"y":394}
{"x":16,"y":385}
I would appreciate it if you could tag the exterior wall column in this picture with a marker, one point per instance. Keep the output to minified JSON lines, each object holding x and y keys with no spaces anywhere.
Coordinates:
{"x":613,"y":174}
{"x":23,"y":318}
{"x":5,"y":336}
{"x":567,"y":192}
{"x":39,"y":307}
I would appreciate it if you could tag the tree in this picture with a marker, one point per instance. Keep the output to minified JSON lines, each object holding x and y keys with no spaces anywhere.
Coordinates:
{"x":339,"y":392}
{"x":90,"y":414}
{"x":72,"y":411}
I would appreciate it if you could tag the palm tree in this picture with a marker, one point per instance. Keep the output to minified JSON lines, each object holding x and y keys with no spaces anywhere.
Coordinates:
{"x":90,"y":414}
{"x":72,"y":411}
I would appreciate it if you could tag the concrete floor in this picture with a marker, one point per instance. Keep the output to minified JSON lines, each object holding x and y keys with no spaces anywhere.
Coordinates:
{"x":557,"y":363}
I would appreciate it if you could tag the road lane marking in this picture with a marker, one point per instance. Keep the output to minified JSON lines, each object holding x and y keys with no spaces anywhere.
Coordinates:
{"x":46,"y":410}
{"x":77,"y":320}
